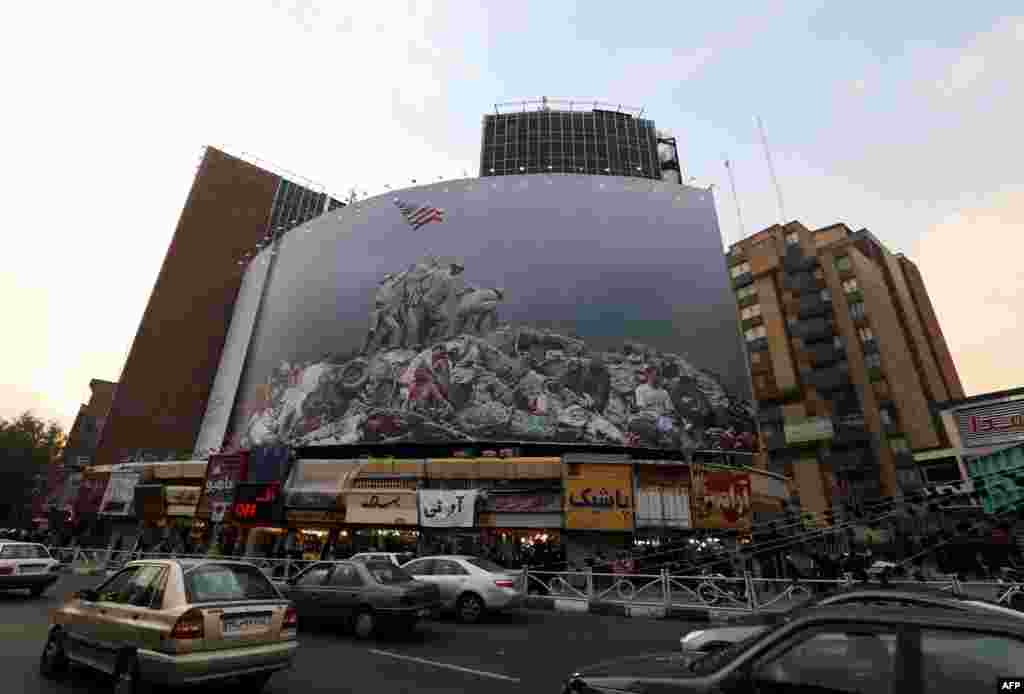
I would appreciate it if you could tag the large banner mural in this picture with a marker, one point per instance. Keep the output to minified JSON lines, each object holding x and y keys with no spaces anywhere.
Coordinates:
{"x":518,"y":308}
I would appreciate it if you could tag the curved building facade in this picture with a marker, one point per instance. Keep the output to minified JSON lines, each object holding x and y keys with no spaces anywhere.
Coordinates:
{"x":555,"y":308}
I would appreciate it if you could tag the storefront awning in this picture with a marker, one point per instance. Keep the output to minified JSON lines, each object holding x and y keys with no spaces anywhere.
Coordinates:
{"x":180,"y":470}
{"x":318,"y":484}
{"x":495,"y":468}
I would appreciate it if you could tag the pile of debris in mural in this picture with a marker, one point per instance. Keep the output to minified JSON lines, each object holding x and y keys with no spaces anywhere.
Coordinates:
{"x":437,"y":366}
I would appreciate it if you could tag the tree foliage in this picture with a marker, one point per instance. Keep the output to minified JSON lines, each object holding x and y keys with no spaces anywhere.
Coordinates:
{"x":28,"y":446}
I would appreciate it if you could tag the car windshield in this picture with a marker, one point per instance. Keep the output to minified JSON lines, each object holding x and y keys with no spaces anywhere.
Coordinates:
{"x":487,"y":565}
{"x":228,"y":582}
{"x":387,"y":573}
{"x":718,"y":659}
{"x":24,"y":552}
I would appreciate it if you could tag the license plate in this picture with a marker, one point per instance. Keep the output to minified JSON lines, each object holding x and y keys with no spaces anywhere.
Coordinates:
{"x":233,"y":626}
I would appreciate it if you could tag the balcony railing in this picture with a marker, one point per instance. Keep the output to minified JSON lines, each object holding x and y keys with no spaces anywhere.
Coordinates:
{"x":743,"y":280}
{"x":813,"y":305}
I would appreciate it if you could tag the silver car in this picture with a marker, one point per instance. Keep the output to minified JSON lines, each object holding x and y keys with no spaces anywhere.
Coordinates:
{"x":471,"y":586}
{"x":396,"y":558}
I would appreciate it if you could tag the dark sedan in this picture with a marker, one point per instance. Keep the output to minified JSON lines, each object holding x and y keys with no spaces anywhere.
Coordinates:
{"x":712,"y":638}
{"x":363,"y":596}
{"x":845,"y":649}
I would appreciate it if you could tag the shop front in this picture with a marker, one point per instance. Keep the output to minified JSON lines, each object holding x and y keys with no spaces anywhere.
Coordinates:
{"x":88,"y":529}
{"x":314,"y":511}
{"x":662,"y":502}
{"x":255,"y":525}
{"x":118,"y":505}
{"x":381,"y":521}
{"x":223,"y":473}
{"x":447,"y":519}
{"x":517,"y":525}
{"x":598,"y":504}
{"x":722,"y":506}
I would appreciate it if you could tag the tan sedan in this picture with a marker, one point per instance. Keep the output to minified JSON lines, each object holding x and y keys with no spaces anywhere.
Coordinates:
{"x":176,"y":622}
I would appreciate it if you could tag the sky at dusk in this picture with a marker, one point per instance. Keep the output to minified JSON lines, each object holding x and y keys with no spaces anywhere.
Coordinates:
{"x":896,"y":117}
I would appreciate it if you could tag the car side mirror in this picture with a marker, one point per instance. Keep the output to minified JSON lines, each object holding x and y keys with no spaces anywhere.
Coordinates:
{"x":88,"y":594}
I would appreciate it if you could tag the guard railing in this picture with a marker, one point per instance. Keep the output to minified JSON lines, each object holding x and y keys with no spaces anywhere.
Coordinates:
{"x":661,"y":589}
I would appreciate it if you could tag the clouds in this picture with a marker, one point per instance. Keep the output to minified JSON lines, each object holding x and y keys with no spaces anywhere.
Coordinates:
{"x":971,"y":265}
{"x":993,"y":58}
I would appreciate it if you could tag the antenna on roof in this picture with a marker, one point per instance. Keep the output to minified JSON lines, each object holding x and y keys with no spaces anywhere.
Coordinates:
{"x":735,"y":199}
{"x":771,"y":170}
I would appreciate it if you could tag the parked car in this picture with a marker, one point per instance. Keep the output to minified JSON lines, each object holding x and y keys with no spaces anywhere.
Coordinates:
{"x":471,"y":586}
{"x":365,"y":596}
{"x":396,"y":558}
{"x":27,"y":566}
{"x":176,"y":622}
{"x":718,"y":637}
{"x":846,"y":648}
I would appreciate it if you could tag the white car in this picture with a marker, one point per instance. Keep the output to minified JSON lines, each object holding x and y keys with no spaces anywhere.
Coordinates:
{"x":396,"y":558}
{"x":27,"y":566}
{"x":470,"y":585}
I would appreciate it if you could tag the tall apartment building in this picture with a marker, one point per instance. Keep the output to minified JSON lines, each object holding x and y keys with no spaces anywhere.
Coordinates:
{"x":575,"y":137}
{"x":846,"y":353}
{"x":233,"y":206}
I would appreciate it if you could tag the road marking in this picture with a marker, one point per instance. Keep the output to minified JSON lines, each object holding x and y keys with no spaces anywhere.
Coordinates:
{"x":424,"y":661}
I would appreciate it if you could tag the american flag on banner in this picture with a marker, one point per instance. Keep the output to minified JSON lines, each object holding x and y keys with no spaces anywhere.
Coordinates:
{"x":419,"y":216}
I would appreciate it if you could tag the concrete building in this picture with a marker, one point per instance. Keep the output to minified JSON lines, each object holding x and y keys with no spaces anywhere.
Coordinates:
{"x":846,"y":353}
{"x":85,"y":432}
{"x":575,"y":137}
{"x":233,"y":206}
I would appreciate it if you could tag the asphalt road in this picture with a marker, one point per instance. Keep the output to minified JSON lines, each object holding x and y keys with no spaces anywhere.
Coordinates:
{"x":523,"y":651}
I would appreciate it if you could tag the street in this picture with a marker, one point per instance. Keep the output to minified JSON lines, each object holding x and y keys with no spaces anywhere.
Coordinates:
{"x":521,"y":651}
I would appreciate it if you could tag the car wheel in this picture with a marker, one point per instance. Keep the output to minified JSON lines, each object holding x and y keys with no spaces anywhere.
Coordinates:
{"x":254,"y":682}
{"x":470,"y":609}
{"x":54,"y":661}
{"x":127,"y":680}
{"x":365,"y":624}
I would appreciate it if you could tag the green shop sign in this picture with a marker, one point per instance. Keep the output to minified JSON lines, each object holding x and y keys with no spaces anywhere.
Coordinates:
{"x":999,"y":479}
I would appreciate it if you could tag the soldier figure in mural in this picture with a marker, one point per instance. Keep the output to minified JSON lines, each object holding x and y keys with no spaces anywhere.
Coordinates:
{"x":437,"y":365}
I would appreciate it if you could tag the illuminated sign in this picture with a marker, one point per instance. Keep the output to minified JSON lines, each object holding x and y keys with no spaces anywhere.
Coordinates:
{"x":256,"y":503}
{"x":992,"y":424}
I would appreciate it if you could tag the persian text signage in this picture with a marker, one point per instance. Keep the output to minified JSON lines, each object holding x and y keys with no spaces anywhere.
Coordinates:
{"x":316,"y":517}
{"x":599,"y":497}
{"x":991,"y":424}
{"x":256,"y":503}
{"x":445,"y":508}
{"x":721,"y":499}
{"x":386,"y":507}
{"x":182,"y":500}
{"x":523,"y":503}
{"x":663,"y":496}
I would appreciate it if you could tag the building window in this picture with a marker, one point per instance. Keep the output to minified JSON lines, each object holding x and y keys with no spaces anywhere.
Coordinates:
{"x":865,"y":334}
{"x":744,"y":292}
{"x":792,"y":238}
{"x":886,"y":416}
{"x":873,"y":360}
{"x":755,"y":357}
{"x":741,"y":269}
{"x":819,"y":274}
{"x":826,"y":295}
{"x":899,"y":445}
{"x":755,"y":333}
{"x":837,"y":342}
{"x":857,"y":310}
{"x":750,"y":312}
{"x":843,"y":263}
{"x":791,"y":321}
{"x":850,"y":285}
{"x":761,"y":381}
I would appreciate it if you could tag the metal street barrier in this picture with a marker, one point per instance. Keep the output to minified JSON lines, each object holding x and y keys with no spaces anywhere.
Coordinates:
{"x":716,"y":593}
